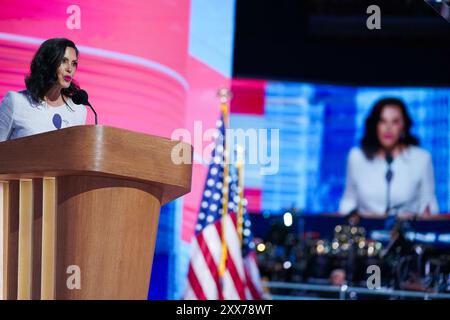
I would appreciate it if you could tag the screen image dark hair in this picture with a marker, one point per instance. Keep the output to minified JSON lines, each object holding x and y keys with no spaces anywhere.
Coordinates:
{"x":370,"y":143}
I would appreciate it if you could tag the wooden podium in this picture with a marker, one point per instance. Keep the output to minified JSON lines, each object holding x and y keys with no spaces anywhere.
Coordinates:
{"x":80,"y":211}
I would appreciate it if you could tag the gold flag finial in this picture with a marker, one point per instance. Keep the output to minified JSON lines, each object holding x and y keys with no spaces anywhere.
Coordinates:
{"x":225,"y":95}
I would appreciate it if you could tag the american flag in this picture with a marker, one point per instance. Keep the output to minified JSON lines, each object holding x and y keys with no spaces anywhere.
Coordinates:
{"x":241,"y":279}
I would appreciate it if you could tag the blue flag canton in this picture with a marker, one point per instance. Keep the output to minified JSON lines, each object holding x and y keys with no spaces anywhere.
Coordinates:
{"x":248,"y":244}
{"x":247,"y":237}
{"x":211,"y":205}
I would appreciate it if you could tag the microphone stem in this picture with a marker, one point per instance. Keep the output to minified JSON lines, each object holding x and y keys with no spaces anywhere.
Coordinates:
{"x":388,"y":190}
{"x":95,"y":113}
{"x":388,"y":197}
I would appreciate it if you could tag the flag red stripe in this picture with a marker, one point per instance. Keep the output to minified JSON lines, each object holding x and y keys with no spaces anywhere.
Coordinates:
{"x":233,"y":217}
{"x":210,"y":262}
{"x":238,"y":283}
{"x":195,"y":285}
{"x":255,"y":294}
{"x":218,"y":225}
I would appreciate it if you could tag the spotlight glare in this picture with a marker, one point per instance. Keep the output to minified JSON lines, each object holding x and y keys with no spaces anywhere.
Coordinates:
{"x":261,"y":247}
{"x":320,"y":248}
{"x":287,"y":219}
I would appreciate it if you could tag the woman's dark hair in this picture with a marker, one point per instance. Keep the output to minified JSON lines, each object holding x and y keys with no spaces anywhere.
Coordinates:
{"x":370,"y":143}
{"x":43,"y":68}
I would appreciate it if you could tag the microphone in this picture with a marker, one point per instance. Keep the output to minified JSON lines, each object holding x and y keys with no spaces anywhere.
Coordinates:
{"x":389,"y":173}
{"x":57,"y":121}
{"x":389,"y":157}
{"x":389,"y":176}
{"x":81,"y":97}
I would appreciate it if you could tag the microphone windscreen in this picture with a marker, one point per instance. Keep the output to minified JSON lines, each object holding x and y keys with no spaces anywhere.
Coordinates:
{"x":389,"y":157}
{"x":57,"y":121}
{"x":80,"y":97}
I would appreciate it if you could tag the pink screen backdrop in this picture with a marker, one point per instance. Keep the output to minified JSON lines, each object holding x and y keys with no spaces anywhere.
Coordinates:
{"x":132,"y":56}
{"x":134,"y":62}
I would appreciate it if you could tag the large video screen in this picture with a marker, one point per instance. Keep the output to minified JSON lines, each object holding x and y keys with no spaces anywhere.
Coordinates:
{"x":318,"y":125}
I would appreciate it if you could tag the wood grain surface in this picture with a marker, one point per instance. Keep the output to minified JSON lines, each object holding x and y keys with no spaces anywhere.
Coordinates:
{"x":87,"y":199}
{"x":106,"y":227}
{"x":98,"y":150}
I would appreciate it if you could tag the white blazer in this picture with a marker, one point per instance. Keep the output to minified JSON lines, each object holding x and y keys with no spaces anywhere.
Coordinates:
{"x":412,"y":184}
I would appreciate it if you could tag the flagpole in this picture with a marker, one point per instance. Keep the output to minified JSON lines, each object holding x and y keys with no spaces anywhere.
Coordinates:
{"x":225,"y":97}
{"x":240,"y":211}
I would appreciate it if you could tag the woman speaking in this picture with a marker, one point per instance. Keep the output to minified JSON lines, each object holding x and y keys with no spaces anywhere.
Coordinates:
{"x":46,"y":104}
{"x":389,"y":174}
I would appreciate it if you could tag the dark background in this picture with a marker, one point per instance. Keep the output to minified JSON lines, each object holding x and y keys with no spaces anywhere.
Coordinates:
{"x":327,"y":41}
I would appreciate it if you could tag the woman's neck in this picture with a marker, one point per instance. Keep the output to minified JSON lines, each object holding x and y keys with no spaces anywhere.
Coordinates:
{"x":53,"y":97}
{"x":394,"y":152}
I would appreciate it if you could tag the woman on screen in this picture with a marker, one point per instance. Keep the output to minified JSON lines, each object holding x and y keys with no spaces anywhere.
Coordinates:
{"x":389,"y":174}
{"x":46,"y":104}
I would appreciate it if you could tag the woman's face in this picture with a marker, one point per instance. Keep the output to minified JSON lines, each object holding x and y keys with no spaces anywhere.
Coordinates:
{"x":67,"y":68}
{"x":391,"y":126}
